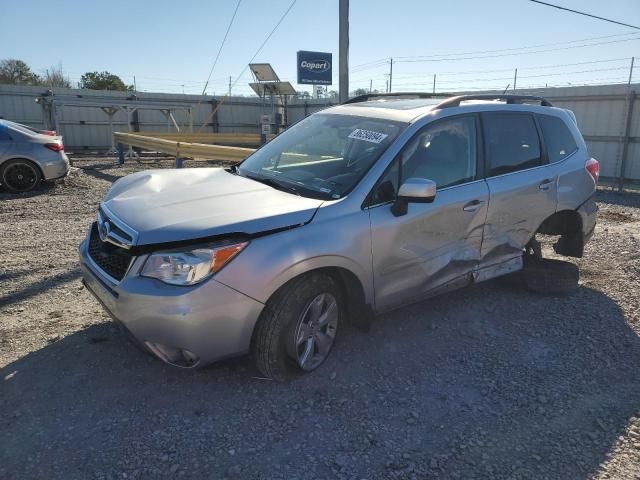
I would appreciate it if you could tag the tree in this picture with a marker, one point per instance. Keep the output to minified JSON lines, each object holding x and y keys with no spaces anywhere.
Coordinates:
{"x":55,"y":77}
{"x":103,"y":81}
{"x":16,"y":72}
{"x":360,"y":91}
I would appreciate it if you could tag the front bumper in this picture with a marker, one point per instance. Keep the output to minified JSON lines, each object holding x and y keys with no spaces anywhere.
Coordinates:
{"x":209,"y":321}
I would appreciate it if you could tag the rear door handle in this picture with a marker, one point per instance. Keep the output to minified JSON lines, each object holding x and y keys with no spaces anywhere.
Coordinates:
{"x":473,"y":205}
{"x":545,"y":184}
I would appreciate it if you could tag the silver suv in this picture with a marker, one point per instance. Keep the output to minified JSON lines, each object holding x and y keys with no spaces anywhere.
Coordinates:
{"x":356,"y":210}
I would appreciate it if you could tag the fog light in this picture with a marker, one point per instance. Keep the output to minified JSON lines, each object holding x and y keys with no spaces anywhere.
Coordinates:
{"x":178,"y":357}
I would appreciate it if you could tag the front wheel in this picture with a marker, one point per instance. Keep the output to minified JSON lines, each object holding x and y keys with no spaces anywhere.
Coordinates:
{"x":19,"y":175}
{"x":298,"y":327}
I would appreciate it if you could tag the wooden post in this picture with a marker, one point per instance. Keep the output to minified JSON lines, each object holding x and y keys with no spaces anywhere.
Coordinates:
{"x":120,"y":153}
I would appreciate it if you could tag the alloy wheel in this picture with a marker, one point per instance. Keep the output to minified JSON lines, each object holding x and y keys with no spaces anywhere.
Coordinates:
{"x":20,"y":177}
{"x":315,"y":331}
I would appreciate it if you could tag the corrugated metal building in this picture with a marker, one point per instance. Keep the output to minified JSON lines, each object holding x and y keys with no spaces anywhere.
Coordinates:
{"x":602,"y":113}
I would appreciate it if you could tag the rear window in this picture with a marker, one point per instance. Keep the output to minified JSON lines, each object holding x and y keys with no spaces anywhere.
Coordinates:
{"x":557,"y":138}
{"x":511,"y":141}
{"x":22,"y":129}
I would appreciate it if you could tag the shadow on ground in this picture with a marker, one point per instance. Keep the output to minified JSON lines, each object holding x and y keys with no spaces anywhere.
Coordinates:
{"x":625,"y":199}
{"x":485,"y":382}
{"x":35,"y":288}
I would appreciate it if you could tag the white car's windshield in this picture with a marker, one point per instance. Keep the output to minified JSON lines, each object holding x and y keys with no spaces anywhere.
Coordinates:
{"x":323,"y":156}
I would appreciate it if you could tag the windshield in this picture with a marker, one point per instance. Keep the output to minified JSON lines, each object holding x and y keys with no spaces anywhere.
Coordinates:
{"x":324,"y":155}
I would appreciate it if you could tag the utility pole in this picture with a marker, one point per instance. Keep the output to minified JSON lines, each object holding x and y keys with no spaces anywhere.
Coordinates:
{"x":370,"y":86}
{"x":229,"y":85}
{"x":135,"y":87}
{"x":434,"y":83}
{"x":390,"y":74}
{"x":343,"y":49}
{"x":630,"y":97}
{"x":515,"y":79}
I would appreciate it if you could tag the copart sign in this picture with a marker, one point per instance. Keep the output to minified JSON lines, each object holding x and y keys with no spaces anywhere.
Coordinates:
{"x":314,"y":68}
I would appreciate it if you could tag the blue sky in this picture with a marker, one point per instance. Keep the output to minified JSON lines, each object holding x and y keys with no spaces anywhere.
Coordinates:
{"x":170,"y":45}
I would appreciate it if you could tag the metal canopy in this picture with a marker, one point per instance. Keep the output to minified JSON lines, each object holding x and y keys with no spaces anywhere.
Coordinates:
{"x":273,"y":88}
{"x":111,"y":107}
{"x":264,"y":72}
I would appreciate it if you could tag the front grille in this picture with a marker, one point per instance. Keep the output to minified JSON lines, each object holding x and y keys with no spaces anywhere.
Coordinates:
{"x":114,"y":228}
{"x":113,"y":260}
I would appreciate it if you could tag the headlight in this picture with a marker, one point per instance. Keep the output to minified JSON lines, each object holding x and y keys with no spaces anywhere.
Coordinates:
{"x":188,"y":267}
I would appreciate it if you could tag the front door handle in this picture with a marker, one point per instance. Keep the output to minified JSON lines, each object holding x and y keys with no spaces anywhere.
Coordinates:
{"x":545,"y":185}
{"x":473,"y":205}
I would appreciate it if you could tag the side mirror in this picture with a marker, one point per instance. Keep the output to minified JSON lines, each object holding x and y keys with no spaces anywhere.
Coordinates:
{"x":417,"y":190}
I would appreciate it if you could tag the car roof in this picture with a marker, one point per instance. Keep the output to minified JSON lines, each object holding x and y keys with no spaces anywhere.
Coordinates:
{"x":409,"y":109}
{"x":402,"y":110}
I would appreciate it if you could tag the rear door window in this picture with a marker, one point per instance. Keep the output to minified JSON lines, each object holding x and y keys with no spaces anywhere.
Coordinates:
{"x":511,"y":142}
{"x":557,"y":138}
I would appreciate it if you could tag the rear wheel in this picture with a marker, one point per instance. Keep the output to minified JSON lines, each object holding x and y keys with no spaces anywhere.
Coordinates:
{"x":298,"y":327}
{"x":19,"y":175}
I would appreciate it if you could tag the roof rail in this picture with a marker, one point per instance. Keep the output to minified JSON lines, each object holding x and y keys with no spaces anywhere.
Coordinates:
{"x":370,"y":96}
{"x":510,"y":99}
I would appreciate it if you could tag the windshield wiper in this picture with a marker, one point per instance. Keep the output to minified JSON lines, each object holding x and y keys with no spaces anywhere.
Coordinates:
{"x":273,"y":183}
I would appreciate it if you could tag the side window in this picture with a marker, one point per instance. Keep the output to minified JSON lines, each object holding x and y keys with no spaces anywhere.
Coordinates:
{"x":557,"y":138}
{"x":444,"y":152}
{"x":511,"y":141}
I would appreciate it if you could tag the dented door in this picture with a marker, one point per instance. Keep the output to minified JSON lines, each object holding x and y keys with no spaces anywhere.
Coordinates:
{"x":430,"y":246}
{"x":519,"y":203}
{"x":522,"y":187}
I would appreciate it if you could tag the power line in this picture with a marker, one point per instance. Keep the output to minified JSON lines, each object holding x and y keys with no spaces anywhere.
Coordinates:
{"x":554,"y":44}
{"x":602,"y":81}
{"x":213,"y":112}
{"x":407,"y":75}
{"x":585,"y":14}
{"x":471,"y":80}
{"x":519,"y":53}
{"x":384,"y":60}
{"x":224,"y":39}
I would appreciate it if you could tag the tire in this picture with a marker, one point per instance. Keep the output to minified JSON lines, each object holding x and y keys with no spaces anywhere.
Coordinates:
{"x":550,"y":277}
{"x":19,"y":175}
{"x":286,"y":330}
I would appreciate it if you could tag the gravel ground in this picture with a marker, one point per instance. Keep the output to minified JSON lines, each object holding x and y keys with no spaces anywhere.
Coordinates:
{"x":487,"y":382}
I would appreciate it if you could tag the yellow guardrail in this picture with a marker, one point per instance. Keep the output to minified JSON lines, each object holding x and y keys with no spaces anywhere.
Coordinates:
{"x":181,"y":149}
{"x":218,"y":138}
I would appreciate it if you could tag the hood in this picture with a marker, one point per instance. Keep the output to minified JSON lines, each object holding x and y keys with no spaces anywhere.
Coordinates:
{"x":186,"y":204}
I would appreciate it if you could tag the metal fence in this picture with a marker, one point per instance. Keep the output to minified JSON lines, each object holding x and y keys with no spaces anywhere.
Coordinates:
{"x":608,"y":116}
{"x":80,"y":115}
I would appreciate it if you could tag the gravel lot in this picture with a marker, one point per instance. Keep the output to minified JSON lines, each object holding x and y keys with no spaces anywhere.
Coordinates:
{"x":487,"y":382}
